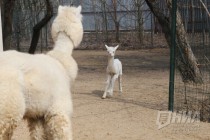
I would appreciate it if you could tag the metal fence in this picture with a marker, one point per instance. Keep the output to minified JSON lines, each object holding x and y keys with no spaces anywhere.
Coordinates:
{"x":190,"y":96}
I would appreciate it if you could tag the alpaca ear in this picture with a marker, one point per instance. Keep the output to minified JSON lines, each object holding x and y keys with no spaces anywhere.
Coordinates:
{"x":78,"y":12}
{"x":79,"y":9}
{"x":60,"y":8}
{"x":107,"y":47}
{"x":116,"y":47}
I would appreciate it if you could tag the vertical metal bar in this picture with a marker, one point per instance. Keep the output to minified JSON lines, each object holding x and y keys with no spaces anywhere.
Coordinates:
{"x":172,"y":56}
{"x":1,"y":40}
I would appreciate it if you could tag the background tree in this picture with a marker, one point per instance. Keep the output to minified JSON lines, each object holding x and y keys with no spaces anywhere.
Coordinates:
{"x":186,"y":61}
{"x":105,"y":21}
{"x":112,"y":9}
{"x":104,"y":11}
{"x":37,"y":28}
{"x":8,"y":6}
{"x":22,"y":9}
{"x":140,"y":27}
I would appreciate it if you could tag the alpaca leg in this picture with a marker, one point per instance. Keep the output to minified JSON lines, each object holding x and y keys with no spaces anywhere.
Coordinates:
{"x":112,"y":85}
{"x":120,"y":83}
{"x":7,"y":135}
{"x":8,"y":122}
{"x":110,"y":90}
{"x":58,"y":127}
{"x":107,"y":87}
{"x":7,"y":131}
{"x":36,"y":128}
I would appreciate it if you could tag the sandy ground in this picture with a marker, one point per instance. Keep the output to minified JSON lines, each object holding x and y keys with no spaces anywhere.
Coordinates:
{"x":132,"y":115}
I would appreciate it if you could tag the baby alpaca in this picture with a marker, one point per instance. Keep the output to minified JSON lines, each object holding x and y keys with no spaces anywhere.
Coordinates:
{"x":38,"y":87}
{"x":114,"y":71}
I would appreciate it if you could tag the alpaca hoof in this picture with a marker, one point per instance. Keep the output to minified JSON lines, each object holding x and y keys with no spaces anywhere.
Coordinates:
{"x":103,"y":97}
{"x":109,"y":96}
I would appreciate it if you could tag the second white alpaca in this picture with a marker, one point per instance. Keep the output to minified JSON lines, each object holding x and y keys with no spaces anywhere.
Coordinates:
{"x":114,"y":71}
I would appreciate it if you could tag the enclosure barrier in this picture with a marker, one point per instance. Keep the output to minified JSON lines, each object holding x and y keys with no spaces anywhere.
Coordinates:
{"x":172,"y":56}
{"x":191,"y":96}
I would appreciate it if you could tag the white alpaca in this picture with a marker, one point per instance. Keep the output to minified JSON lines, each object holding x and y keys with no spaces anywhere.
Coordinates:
{"x":114,"y":71}
{"x":37,"y":87}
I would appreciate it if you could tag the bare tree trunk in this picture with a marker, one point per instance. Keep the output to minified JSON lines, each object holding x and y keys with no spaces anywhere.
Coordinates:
{"x":17,"y":31}
{"x":117,"y":29}
{"x":186,"y":61}
{"x":96,"y":20}
{"x":46,"y":37}
{"x":7,"y":29}
{"x":38,"y":27}
{"x":204,"y":7}
{"x":140,"y":21}
{"x":117,"y":24}
{"x":105,"y":19}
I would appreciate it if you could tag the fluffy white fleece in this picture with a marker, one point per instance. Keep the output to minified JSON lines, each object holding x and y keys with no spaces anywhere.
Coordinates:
{"x":37,"y":87}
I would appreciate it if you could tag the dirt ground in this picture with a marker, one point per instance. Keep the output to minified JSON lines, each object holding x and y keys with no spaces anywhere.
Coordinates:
{"x":132,"y":115}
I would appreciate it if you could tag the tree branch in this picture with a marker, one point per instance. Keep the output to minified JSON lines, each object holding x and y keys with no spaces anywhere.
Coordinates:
{"x":37,"y":28}
{"x":185,"y":60}
{"x":204,"y":6}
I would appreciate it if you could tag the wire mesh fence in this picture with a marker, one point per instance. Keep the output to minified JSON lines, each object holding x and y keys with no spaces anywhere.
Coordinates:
{"x":190,"y":96}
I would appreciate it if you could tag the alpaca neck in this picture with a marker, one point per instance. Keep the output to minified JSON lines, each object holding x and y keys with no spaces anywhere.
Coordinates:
{"x":110,"y":60}
{"x":64,"y":44}
{"x":111,"y":64}
{"x":62,"y":52}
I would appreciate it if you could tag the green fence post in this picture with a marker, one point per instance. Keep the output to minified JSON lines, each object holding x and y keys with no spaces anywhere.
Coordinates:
{"x":172,"y":56}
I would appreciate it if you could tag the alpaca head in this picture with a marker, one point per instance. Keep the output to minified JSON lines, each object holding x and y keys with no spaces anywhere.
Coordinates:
{"x":68,"y":21}
{"x":111,"y":50}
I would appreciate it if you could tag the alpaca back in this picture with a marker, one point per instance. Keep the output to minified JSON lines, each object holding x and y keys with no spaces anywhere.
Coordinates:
{"x":118,"y":66}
